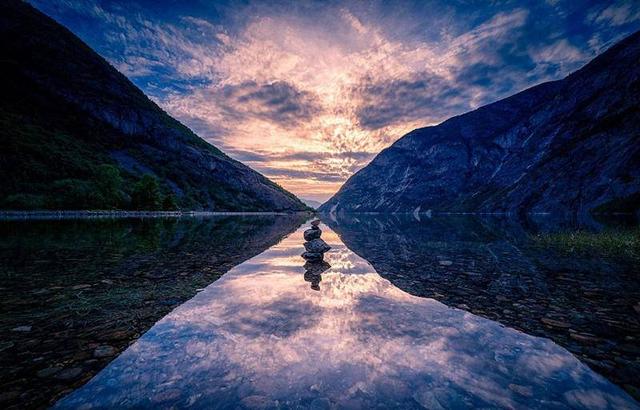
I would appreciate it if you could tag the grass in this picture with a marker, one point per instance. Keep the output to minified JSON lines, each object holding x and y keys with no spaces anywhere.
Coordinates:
{"x":609,"y":242}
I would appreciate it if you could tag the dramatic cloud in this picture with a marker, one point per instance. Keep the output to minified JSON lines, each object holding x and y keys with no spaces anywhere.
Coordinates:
{"x":308,"y":92}
{"x":278,"y":102}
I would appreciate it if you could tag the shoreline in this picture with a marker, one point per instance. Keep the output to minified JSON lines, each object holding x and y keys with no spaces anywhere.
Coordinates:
{"x":86,"y":214}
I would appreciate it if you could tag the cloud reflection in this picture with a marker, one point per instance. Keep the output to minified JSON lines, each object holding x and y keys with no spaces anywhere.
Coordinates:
{"x":260,"y":338}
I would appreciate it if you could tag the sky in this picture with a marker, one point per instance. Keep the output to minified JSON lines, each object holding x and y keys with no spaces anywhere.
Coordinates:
{"x":308,"y":92}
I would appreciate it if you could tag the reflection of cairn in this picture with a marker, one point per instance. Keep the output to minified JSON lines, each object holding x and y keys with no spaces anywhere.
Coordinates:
{"x":315,"y":246}
{"x":313,"y":272}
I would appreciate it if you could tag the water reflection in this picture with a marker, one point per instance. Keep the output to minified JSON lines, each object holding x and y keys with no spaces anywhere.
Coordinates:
{"x":583,"y":299}
{"x":74,"y":293}
{"x":260,"y":338}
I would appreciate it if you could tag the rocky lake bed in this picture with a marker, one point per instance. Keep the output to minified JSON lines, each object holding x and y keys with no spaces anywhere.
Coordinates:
{"x":76,"y":293}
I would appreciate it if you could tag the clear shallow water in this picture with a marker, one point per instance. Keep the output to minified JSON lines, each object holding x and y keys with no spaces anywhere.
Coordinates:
{"x":576,"y":283}
{"x":74,"y":293}
{"x":261,"y":337}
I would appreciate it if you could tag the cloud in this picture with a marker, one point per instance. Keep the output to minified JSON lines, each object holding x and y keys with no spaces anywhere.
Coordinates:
{"x":278,"y":102}
{"x":617,"y":14}
{"x":560,"y":57}
{"x":396,"y":101}
{"x":445,"y":86}
{"x":309,"y":92}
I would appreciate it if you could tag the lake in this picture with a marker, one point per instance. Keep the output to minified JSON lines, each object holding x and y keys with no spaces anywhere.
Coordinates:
{"x":408,"y":312}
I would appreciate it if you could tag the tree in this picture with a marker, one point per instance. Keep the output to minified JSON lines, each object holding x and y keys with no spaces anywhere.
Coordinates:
{"x":109,"y":183}
{"x":72,"y":193}
{"x":146,"y":194}
{"x":169,"y":202}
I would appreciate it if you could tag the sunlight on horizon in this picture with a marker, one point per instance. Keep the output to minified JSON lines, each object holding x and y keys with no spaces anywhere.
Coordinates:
{"x":309,"y":94}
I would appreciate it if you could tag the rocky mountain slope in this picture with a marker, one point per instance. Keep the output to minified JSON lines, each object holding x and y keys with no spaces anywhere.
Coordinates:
{"x":75,"y":133}
{"x":568,"y":145}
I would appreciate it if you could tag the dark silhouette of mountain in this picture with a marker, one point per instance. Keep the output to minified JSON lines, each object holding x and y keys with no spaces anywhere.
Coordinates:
{"x":76,"y":133}
{"x":568,"y":145}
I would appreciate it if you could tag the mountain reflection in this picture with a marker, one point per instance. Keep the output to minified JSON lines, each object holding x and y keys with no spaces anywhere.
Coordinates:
{"x":260,"y":338}
{"x":493,"y":267}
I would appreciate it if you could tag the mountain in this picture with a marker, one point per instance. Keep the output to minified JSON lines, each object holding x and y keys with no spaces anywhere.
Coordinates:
{"x":311,"y":203}
{"x":568,"y":145}
{"x":76,"y":133}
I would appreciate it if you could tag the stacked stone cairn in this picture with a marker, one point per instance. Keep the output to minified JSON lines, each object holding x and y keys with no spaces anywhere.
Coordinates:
{"x":315,"y":247}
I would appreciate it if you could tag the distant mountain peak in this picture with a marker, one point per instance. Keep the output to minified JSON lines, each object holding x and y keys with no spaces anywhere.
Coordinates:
{"x":312,"y":203}
{"x":568,"y":145}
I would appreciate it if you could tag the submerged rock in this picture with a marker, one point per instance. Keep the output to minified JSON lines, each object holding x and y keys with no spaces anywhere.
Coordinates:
{"x":69,"y":374}
{"x":48,"y":372}
{"x":104,"y":351}
{"x":313,"y":233}
{"x":317,"y":246}
{"x":313,"y":256}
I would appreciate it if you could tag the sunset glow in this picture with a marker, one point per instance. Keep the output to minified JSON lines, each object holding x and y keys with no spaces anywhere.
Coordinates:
{"x":307,"y":93}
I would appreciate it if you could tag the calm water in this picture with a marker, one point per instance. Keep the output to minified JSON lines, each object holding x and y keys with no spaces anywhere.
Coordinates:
{"x":524,"y":323}
{"x":74,"y":293}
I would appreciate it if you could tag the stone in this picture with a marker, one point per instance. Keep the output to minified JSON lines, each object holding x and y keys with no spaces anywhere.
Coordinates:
{"x":316,"y":246}
{"x":10,"y":395}
{"x":584,"y":338}
{"x":313,"y":256}
{"x":313,"y":279}
{"x":311,"y":234}
{"x":6,"y":345}
{"x":316,"y":268}
{"x":48,"y":372}
{"x":315,"y":223}
{"x":69,"y":374}
{"x":118,"y":335}
{"x":555,"y":323}
{"x":104,"y":351}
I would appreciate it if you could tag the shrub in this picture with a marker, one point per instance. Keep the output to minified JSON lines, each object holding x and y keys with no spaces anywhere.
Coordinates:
{"x":146,"y":194}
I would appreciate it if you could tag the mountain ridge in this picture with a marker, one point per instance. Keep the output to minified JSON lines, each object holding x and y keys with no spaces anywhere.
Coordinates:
{"x":66,"y":111}
{"x":583,"y":130}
